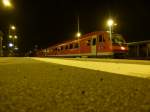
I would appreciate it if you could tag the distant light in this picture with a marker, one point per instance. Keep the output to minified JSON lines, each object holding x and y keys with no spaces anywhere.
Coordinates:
{"x":78,"y":34}
{"x":110,"y":22}
{"x":122,"y":48}
{"x":11,"y":45}
{"x":16,"y":48}
{"x":7,"y":3}
{"x":10,"y":36}
{"x":115,"y":24}
{"x":13,"y":27}
{"x":15,"y":36}
{"x":4,"y":46}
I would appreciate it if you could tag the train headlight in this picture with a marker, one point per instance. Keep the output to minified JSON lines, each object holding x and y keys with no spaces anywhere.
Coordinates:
{"x":122,"y":48}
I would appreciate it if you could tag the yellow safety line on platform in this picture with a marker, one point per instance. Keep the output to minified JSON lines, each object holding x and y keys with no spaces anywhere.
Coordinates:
{"x":119,"y":68}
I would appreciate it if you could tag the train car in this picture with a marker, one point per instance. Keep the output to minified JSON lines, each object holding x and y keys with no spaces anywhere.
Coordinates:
{"x":95,"y":44}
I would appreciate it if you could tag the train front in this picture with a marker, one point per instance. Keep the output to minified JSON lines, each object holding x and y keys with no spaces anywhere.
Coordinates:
{"x":119,"y":46}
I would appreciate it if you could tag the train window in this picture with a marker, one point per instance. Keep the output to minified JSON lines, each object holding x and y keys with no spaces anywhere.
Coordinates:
{"x":58,"y":49}
{"x":88,"y":42}
{"x":71,"y":46}
{"x":66,"y":47}
{"x":94,"y":41}
{"x":76,"y":45}
{"x":62,"y":48}
{"x":100,"y":38}
{"x":116,"y":38}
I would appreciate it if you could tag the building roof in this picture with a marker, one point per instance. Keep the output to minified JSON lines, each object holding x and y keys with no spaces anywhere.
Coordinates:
{"x":139,"y":42}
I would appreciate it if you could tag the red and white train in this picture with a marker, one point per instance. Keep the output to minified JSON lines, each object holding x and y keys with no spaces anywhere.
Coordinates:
{"x":95,"y":44}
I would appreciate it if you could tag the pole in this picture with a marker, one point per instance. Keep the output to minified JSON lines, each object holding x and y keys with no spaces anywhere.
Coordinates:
{"x":1,"y":46}
{"x":1,"y":43}
{"x":13,"y":43}
{"x":78,"y":25}
{"x":78,"y":33}
{"x":110,"y":29}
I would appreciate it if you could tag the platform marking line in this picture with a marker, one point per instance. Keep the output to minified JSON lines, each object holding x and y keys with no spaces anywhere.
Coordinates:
{"x":118,"y":68}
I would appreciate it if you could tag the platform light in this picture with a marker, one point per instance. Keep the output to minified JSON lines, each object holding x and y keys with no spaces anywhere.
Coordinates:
{"x":15,"y":36}
{"x":10,"y":36}
{"x":110,"y":22}
{"x":4,"y":47}
{"x":78,"y":34}
{"x":13,"y":27}
{"x":10,"y":45}
{"x":16,"y":48}
{"x":115,"y":24}
{"x":7,"y":3}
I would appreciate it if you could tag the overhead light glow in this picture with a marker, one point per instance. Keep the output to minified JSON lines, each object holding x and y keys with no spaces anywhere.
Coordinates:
{"x":10,"y":36}
{"x":78,"y":34}
{"x":11,"y":45}
{"x":13,"y":27}
{"x":7,"y":3}
{"x":110,"y":22}
{"x":16,"y":36}
{"x":16,"y":48}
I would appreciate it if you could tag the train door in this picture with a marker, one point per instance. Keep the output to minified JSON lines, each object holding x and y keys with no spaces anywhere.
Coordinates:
{"x":93,"y":46}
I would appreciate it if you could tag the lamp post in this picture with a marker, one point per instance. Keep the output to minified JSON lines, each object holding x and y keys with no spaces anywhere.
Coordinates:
{"x":12,"y":40}
{"x":7,"y":4}
{"x":12,"y":35}
{"x":110,"y":23}
{"x":78,"y":35}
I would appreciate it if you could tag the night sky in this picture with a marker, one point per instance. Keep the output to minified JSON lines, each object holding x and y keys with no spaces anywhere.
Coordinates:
{"x":47,"y":22}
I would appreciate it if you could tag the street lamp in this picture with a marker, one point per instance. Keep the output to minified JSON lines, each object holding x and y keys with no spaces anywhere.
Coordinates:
{"x":78,"y":34}
{"x":10,"y":36}
{"x":15,"y":36}
{"x":10,"y":44}
{"x":13,"y":27}
{"x":110,"y":23}
{"x":16,"y":48}
{"x":7,"y":3}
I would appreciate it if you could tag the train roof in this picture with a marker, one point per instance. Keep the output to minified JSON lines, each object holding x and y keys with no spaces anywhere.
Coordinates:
{"x":75,"y":39}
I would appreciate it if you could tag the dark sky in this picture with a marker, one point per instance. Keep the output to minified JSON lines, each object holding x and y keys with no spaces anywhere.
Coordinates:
{"x":46,"y":22}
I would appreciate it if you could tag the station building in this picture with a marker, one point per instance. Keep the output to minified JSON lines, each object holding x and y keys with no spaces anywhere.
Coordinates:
{"x":139,"y":50}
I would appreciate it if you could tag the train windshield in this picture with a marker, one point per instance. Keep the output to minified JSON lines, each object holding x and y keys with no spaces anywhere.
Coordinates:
{"x":117,"y":39}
